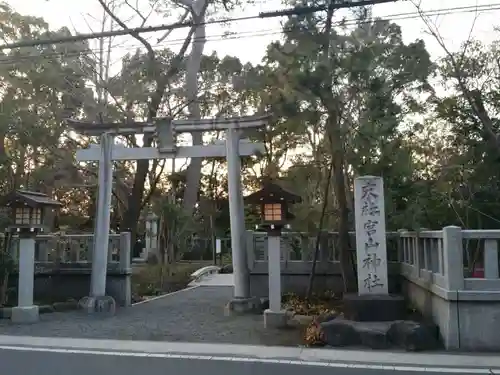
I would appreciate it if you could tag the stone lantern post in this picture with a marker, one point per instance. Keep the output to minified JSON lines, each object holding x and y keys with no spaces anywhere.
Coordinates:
{"x":27,"y":213}
{"x":274,"y":202}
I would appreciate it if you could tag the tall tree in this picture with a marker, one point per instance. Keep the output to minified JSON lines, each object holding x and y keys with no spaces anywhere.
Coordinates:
{"x":359,"y":81}
{"x":161,"y":79}
{"x":41,"y":87}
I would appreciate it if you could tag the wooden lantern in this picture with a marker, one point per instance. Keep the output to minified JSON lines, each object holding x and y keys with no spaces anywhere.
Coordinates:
{"x":274,"y":202}
{"x":27,"y":210}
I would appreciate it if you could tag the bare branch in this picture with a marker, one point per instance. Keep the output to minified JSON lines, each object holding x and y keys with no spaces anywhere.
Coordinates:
{"x":122,"y":24}
{"x":113,"y":190}
{"x":168,"y":32}
{"x":154,"y":185}
{"x":136,"y":10}
{"x":188,"y":4}
{"x":469,"y":39}
{"x":87,"y":23}
{"x":474,"y":97}
{"x":104,"y":86}
{"x":152,"y":8}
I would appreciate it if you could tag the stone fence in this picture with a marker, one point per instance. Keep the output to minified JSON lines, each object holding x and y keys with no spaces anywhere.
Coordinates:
{"x":297,"y":254}
{"x":450,"y":275}
{"x":51,"y":249}
{"x":63,"y":266}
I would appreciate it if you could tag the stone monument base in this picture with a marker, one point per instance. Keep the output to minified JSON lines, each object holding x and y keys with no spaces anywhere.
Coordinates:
{"x":374,"y":308}
{"x":25,"y":314}
{"x":98,"y":305}
{"x":275,"y":319}
{"x":243,"y":305}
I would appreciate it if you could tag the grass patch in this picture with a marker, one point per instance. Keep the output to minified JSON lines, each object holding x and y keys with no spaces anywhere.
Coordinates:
{"x":146,"y":279}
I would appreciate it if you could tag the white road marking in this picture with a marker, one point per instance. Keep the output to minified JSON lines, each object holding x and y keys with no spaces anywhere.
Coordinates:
{"x":164,"y":295}
{"x":449,"y":370}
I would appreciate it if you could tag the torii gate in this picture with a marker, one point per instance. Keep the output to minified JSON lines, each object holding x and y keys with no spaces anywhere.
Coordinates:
{"x":165,"y":130}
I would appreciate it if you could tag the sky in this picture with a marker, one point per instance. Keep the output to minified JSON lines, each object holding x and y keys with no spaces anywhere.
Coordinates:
{"x":249,"y":39}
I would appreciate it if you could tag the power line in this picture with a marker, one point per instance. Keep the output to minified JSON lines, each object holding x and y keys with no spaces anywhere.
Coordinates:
{"x":301,"y":10}
{"x":105,"y":34}
{"x":181,"y":25}
{"x":268,"y":32}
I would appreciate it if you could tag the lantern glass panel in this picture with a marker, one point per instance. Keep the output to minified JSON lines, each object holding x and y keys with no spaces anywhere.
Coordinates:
{"x":272,"y":212}
{"x":37,"y":216}
{"x":22,"y":215}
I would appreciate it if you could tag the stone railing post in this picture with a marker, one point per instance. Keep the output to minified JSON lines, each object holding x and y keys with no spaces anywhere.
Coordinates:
{"x":401,"y":246}
{"x":417,"y":260}
{"x":43,"y":251}
{"x":125,"y":267}
{"x":250,"y":248}
{"x":75,"y":250}
{"x":453,"y":262}
{"x":425,"y":261}
{"x":491,"y":259}
{"x":110,"y":250}
{"x":125,"y":249}
{"x":58,"y":250}
{"x":89,"y":252}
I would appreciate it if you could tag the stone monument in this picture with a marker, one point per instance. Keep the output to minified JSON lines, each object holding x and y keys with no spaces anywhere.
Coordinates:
{"x":373,"y":301}
{"x":371,"y":247}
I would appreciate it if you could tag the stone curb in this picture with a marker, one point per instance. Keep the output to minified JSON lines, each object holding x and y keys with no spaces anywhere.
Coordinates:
{"x":6,"y":312}
{"x":400,"y":334}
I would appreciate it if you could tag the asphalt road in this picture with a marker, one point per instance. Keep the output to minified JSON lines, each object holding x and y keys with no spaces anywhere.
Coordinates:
{"x":15,"y":362}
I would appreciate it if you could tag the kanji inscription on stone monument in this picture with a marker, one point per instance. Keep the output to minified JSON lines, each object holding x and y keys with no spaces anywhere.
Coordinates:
{"x":371,"y":251}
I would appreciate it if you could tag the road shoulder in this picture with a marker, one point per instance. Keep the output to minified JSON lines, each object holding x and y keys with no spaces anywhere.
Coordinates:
{"x":410,"y":362}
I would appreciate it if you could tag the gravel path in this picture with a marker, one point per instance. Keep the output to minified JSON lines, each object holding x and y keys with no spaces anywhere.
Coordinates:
{"x":195,"y":315}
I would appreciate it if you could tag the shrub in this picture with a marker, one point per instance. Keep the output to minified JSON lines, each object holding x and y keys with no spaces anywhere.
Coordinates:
{"x":7,"y":267}
{"x":314,"y":335}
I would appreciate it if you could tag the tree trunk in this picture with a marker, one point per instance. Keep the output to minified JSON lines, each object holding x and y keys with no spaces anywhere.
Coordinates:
{"x":336,"y":139}
{"x":161,"y":79}
{"x":133,"y":211}
{"x":318,"y":235}
{"x":345,"y":257}
{"x":193,"y":67}
{"x":339,"y":187}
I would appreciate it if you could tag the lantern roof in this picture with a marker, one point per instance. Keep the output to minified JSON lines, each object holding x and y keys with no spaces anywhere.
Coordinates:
{"x":32,"y":199}
{"x":272,"y":192}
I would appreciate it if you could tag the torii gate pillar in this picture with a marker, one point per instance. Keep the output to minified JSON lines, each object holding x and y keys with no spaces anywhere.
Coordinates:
{"x":242,"y":301}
